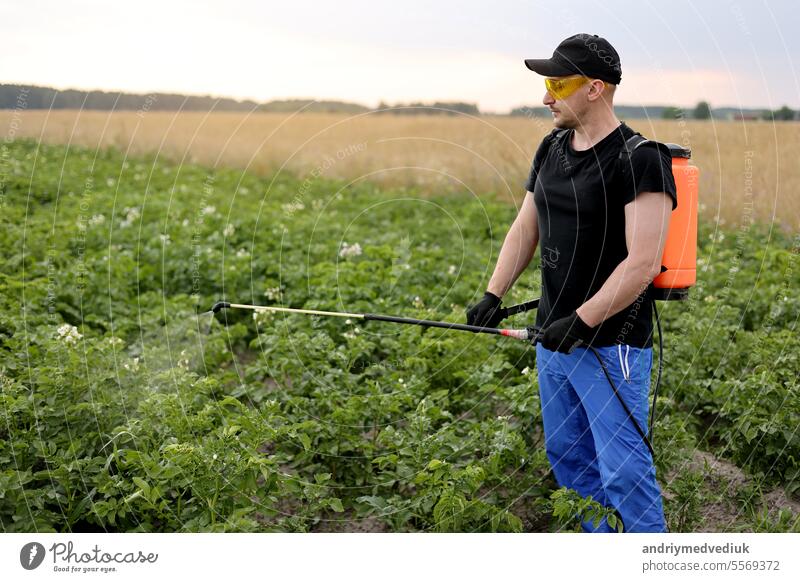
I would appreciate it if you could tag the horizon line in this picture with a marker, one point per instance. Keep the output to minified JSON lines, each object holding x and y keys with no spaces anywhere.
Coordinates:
{"x":357,"y":103}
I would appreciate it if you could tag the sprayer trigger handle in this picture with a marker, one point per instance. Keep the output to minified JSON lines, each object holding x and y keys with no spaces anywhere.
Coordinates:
{"x":534,"y":334}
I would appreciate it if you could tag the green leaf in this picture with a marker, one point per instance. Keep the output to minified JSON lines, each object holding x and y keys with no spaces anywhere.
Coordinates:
{"x":142,"y":484}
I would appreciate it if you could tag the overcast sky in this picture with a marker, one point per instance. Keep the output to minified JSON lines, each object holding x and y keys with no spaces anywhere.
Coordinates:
{"x":731,"y":53}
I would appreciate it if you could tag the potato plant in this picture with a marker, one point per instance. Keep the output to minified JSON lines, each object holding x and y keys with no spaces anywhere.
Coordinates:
{"x":125,"y":408}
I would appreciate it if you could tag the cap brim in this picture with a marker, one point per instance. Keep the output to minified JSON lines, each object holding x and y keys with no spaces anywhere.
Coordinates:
{"x":548,"y":68}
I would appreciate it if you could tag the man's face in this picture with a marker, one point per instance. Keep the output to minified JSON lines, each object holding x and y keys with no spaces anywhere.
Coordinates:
{"x":568,"y":100}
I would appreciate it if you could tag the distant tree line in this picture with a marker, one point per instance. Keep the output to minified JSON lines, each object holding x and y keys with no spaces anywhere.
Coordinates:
{"x":785,"y":113}
{"x":703,"y":111}
{"x":32,"y":97}
{"x":437,"y":108}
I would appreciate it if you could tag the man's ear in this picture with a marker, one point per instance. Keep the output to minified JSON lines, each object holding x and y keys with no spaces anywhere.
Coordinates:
{"x":596,"y":89}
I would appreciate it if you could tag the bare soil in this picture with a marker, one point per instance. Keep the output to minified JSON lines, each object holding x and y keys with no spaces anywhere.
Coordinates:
{"x":348,"y":523}
{"x":723,"y":511}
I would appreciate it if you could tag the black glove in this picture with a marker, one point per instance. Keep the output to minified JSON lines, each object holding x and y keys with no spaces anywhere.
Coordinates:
{"x":567,"y":333}
{"x":486,"y":312}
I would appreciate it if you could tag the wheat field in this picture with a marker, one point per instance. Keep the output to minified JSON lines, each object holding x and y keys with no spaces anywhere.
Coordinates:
{"x":748,"y":169}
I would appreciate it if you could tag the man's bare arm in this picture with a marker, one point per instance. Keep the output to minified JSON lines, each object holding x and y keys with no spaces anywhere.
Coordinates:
{"x":646,"y":225}
{"x":517,"y":250}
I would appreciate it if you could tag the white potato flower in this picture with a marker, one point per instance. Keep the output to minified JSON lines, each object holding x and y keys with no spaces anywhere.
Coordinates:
{"x":131,"y":214}
{"x":348,"y":250}
{"x":272,"y":293}
{"x":69,"y":334}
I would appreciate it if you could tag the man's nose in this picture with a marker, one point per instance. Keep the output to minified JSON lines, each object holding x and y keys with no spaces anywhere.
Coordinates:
{"x":548,"y":99}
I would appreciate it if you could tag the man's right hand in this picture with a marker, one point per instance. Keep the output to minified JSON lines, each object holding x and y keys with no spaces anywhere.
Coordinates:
{"x":486,"y":312}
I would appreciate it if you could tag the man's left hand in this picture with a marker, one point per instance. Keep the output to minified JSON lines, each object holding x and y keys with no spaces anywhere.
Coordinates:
{"x":565,"y":334}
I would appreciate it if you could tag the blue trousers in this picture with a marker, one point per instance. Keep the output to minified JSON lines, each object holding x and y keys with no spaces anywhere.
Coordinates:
{"x":590,"y":441}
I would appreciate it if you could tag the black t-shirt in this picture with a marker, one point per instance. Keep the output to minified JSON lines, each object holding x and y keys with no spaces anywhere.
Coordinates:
{"x":580,"y":198}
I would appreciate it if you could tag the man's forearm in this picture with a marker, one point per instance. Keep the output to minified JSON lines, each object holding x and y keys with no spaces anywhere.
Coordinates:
{"x":515,"y":255}
{"x":621,"y":289}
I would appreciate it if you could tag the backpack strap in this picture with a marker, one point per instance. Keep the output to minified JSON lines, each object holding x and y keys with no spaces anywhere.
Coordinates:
{"x":551,"y":137}
{"x":634,"y":142}
{"x":631,"y":144}
{"x":557,"y":134}
{"x":624,"y":163}
{"x":554,"y":135}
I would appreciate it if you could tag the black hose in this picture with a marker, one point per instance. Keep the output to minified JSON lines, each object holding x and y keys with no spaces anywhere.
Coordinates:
{"x":660,"y":367}
{"x":624,"y":406}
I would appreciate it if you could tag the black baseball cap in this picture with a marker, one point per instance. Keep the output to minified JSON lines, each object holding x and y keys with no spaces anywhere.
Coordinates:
{"x":581,"y":54}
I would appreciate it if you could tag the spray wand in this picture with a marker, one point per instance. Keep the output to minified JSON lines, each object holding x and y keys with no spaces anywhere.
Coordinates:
{"x":527,"y":334}
{"x":530,"y":334}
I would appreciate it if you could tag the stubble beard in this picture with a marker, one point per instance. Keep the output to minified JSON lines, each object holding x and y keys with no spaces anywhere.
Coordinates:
{"x":561,"y":123}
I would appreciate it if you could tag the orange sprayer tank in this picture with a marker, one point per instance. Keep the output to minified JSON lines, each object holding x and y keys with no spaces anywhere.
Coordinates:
{"x":679,"y":271}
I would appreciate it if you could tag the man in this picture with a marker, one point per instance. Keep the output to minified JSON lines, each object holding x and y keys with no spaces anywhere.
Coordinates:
{"x":601,"y":221}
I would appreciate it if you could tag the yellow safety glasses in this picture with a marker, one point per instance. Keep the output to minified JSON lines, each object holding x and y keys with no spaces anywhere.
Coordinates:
{"x":563,"y":88}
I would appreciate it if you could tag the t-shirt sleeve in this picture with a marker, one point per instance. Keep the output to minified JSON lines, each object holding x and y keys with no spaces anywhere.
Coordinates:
{"x":538,"y":158}
{"x":650,"y":171}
